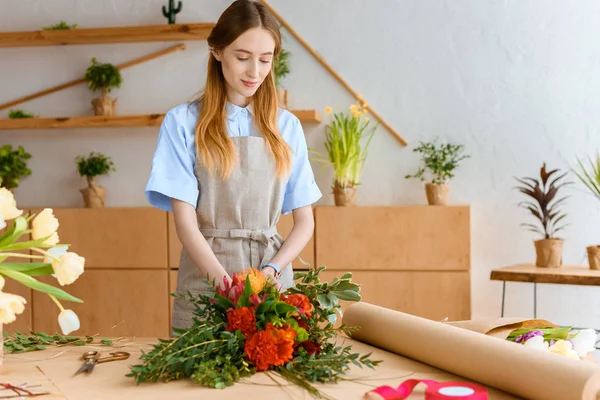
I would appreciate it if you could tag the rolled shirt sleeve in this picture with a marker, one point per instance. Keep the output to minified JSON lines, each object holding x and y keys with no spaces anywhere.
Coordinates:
{"x":172,"y":173}
{"x":301,"y":189}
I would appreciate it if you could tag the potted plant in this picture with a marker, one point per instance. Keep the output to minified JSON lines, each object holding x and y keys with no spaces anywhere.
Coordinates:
{"x":103,"y":77}
{"x":439,"y":161}
{"x":346,"y":140}
{"x":62,"y":25}
{"x":13,"y":166}
{"x":95,"y":165}
{"x":591,"y":179}
{"x":544,"y":206}
{"x":20,"y":114}
{"x":281,"y":68}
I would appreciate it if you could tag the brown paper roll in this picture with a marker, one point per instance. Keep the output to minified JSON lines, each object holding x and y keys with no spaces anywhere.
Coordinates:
{"x":504,"y":365}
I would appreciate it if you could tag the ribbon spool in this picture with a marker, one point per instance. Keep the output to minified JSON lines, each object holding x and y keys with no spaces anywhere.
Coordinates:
{"x":435,"y":390}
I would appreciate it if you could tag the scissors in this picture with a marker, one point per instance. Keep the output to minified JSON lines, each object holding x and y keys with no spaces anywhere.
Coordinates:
{"x":91,"y":358}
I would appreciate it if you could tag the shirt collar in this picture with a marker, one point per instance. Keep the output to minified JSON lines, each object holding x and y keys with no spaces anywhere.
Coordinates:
{"x":234,"y":111}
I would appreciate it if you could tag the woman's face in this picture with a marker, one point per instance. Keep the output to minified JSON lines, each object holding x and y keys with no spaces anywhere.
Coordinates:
{"x":246,"y":63}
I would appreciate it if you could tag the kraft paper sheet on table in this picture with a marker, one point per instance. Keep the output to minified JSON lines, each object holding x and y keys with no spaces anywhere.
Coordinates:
{"x":410,"y":347}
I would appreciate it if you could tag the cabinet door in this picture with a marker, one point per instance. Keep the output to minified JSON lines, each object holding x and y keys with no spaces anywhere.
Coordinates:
{"x":115,"y":303}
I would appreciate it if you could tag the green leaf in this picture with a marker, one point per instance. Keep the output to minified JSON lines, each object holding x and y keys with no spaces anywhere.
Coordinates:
{"x":282,"y":308}
{"x":244,"y":300}
{"x":348,"y":295}
{"x":31,"y":269}
{"x":39,"y":286}
{"x":18,"y":227}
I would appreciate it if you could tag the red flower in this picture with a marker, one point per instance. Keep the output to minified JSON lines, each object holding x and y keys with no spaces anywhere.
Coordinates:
{"x":301,"y":302}
{"x":233,"y":290}
{"x":241,"y":318}
{"x":309,"y":346}
{"x":270,"y":347}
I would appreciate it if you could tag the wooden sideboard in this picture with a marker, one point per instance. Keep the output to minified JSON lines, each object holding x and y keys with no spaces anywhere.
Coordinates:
{"x":415,"y":259}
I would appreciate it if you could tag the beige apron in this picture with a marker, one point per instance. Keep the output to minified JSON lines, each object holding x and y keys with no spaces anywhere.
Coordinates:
{"x":238,"y":218}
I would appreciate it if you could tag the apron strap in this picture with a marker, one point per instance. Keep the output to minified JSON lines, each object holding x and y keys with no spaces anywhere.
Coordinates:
{"x":254,"y":235}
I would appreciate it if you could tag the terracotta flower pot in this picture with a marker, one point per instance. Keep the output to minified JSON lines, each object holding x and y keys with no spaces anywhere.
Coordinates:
{"x":344,"y":197}
{"x":437,"y":194}
{"x":94,"y":197}
{"x":104,"y":105}
{"x":549,"y":253}
{"x":282,"y":98}
{"x":593,"y":253}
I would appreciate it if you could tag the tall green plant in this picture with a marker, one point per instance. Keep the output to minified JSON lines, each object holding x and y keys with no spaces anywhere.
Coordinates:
{"x":347,"y":138}
{"x":281,"y":66}
{"x":13,"y":166}
{"x":590,"y":177}
{"x":95,"y":165}
{"x":439,"y":161}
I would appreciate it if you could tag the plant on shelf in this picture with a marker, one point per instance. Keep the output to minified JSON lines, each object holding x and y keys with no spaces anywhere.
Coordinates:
{"x":172,"y":11}
{"x":96,"y":164}
{"x":35,"y":238}
{"x":13,"y":166}
{"x":103,"y":77}
{"x":347,"y":138}
{"x":17,"y":114}
{"x":281,"y":68}
{"x":590,"y":177}
{"x":439,"y":163}
{"x":545,"y":207}
{"x":62,"y":25}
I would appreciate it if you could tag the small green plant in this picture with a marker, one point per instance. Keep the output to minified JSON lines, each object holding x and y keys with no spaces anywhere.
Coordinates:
{"x":281,"y":66}
{"x":590,"y":177}
{"x":172,"y":11}
{"x":13,"y":166}
{"x":62,"y":25}
{"x":439,"y":161}
{"x":16,"y":114}
{"x":546,"y":205}
{"x":347,"y":140}
{"x":103,"y":77}
{"x":96,"y":164}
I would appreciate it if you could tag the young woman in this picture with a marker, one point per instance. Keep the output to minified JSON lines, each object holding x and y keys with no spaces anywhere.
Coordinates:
{"x":231,"y":162}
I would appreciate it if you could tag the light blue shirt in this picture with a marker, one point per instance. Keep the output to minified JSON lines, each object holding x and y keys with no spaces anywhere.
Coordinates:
{"x":172,"y":173}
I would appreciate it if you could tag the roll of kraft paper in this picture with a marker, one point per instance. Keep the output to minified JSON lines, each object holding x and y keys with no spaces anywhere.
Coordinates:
{"x":435,"y":390}
{"x":513,"y":368}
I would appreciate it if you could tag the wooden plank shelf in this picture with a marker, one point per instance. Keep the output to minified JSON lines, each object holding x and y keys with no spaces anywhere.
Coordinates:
{"x":308,"y":116}
{"x":119,"y":34}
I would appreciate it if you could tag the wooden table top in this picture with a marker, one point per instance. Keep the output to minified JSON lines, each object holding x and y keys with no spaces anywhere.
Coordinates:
{"x":566,"y":275}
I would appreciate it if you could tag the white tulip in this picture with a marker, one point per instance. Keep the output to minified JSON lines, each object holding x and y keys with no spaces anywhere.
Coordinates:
{"x":10,"y":305}
{"x":536,"y":342}
{"x":45,"y":224}
{"x":68,"y":321}
{"x":68,"y":268}
{"x":56,"y":252}
{"x":584,"y":341}
{"x":8,"y":205}
{"x":2,"y":221}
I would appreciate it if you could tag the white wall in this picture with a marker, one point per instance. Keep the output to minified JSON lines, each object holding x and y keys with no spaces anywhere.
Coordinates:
{"x":515,"y":81}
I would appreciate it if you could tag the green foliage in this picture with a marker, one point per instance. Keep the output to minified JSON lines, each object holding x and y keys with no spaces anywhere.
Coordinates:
{"x":546,"y":206}
{"x":281,"y":66}
{"x":590,"y":177}
{"x":95,"y":164}
{"x":439,"y":161}
{"x":13,"y":166}
{"x":17,"y":114}
{"x":548,"y":333}
{"x":347,"y":140}
{"x":62,"y":25}
{"x":21,"y":343}
{"x":170,"y":13}
{"x":103,"y":77}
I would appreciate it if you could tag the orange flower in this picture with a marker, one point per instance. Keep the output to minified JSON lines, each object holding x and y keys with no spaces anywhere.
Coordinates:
{"x":257,"y":279}
{"x":241,"y":318}
{"x":301,"y":302}
{"x":270,"y":347}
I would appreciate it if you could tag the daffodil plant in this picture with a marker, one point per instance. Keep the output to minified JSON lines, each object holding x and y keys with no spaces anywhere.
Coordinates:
{"x":347,"y":138}
{"x":46,"y":257}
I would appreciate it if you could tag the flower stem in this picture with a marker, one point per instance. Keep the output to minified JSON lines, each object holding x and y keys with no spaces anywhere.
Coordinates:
{"x":57,"y":302}
{"x":4,"y":254}
{"x":45,"y":253}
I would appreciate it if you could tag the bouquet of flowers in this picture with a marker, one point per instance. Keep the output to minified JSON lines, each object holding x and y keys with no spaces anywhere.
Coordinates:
{"x":563,"y":341}
{"x":250,"y":325}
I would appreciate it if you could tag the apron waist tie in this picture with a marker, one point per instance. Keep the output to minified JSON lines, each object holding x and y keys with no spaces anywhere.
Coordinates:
{"x":254,"y":235}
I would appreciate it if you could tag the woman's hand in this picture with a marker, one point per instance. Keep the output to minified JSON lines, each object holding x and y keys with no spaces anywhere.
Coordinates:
{"x":269,"y":273}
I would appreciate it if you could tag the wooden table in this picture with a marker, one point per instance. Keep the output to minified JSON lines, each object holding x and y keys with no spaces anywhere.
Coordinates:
{"x":566,"y":275}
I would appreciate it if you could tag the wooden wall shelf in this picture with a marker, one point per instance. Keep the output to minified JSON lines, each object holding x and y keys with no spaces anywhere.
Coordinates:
{"x":119,"y":34}
{"x":307,"y":116}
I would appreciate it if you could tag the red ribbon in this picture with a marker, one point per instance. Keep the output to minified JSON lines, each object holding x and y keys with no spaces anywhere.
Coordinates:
{"x":435,"y":390}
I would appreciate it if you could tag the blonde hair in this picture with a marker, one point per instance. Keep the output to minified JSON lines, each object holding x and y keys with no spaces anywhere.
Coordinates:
{"x":213,"y":143}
